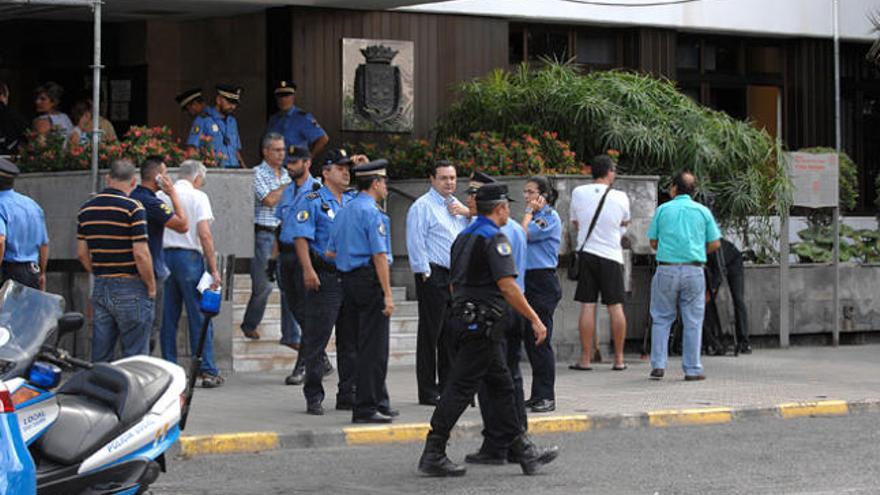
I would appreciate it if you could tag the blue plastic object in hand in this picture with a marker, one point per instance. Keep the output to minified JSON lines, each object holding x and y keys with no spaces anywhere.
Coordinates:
{"x":210,"y":301}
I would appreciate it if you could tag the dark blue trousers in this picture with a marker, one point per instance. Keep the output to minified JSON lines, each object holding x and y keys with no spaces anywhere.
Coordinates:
{"x":543,"y":293}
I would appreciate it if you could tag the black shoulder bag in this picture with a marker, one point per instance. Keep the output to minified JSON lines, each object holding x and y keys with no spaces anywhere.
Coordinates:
{"x":574,"y":263}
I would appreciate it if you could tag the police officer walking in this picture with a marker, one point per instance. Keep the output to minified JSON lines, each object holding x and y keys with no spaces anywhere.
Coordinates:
{"x":219,"y":128}
{"x":299,"y":128}
{"x":24,"y":242}
{"x":322,"y":297}
{"x":191,"y":102}
{"x":361,"y":240}
{"x":483,"y":283}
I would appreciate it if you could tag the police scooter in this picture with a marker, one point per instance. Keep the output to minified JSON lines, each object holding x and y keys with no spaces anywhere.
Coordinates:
{"x":104,"y":431}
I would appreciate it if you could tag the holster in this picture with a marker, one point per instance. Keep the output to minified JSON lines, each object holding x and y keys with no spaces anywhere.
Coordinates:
{"x":480,"y":318}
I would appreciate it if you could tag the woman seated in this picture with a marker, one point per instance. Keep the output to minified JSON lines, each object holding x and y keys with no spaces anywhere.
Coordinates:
{"x":47,"y":97}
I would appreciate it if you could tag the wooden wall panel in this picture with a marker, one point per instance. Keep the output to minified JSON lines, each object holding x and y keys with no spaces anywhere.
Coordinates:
{"x":448,"y":50}
{"x":656,"y":52}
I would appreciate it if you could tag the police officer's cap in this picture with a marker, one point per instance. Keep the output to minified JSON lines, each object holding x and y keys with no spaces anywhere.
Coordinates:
{"x":374,"y":168}
{"x":493,"y":192}
{"x":295,"y":153}
{"x":230,"y":92}
{"x":284,"y":88}
{"x":188,"y":96}
{"x":478,"y":179}
{"x":8,"y":170}
{"x":336,"y":156}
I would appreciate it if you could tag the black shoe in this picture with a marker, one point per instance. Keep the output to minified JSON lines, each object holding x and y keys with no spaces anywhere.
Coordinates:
{"x":315,"y":409}
{"x":530,"y":456}
{"x":483,"y":457}
{"x":389,"y":411}
{"x":328,"y":366}
{"x":376,"y":417}
{"x":544,"y":406}
{"x":296,"y":378}
{"x":547,"y":455}
{"x":745,"y":348}
{"x":344,"y":406}
{"x":694,"y":378}
{"x":429,"y":401}
{"x":657,"y":373}
{"x":438,"y":465}
{"x":531,"y":402}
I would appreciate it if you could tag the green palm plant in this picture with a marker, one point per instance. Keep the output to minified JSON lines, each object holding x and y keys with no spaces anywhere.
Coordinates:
{"x":657,"y":129}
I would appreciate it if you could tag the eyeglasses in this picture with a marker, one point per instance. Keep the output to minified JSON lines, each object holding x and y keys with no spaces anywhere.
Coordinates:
{"x":530,"y":191}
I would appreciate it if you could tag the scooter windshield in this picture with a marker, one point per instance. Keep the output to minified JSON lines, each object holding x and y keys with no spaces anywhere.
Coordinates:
{"x":27,"y":318}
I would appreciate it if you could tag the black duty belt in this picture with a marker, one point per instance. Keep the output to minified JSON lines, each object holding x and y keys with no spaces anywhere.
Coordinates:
{"x":264,"y":228}
{"x":686,"y":263}
{"x":320,"y":265}
{"x":286,"y":248}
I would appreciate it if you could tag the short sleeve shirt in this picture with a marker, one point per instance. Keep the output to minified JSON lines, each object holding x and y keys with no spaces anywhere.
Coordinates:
{"x":313,"y":216}
{"x":605,"y":239}
{"x":545,"y":236}
{"x":198,"y":209}
{"x":299,"y":128}
{"x":23,"y":223}
{"x":111,"y":223}
{"x":220,"y":133}
{"x":158,"y":214}
{"x":360,"y":230}
{"x":265,"y":181}
{"x":481,"y":256}
{"x":682,"y":228}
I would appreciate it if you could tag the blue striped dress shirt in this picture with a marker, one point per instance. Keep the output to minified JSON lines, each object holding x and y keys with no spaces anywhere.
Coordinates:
{"x":430,"y":231}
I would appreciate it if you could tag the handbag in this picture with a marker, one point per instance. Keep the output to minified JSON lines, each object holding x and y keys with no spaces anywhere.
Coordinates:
{"x":574,"y":264}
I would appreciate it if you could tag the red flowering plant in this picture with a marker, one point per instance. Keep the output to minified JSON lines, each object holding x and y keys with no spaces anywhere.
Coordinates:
{"x":207,"y":154}
{"x":141,"y":142}
{"x":43,"y":153}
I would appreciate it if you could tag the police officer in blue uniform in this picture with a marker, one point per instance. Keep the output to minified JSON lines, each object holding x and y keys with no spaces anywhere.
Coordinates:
{"x":299,"y":128}
{"x":361,"y":241}
{"x":217,"y":129}
{"x":544,"y":231}
{"x":24,"y":242}
{"x":191,"y":101}
{"x":314,"y":214}
{"x":483,"y":278}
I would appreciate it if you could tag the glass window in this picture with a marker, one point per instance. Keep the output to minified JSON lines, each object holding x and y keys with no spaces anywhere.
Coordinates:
{"x":731,"y":101}
{"x":687,"y":55}
{"x":764,"y":60}
{"x":515,"y":47}
{"x":721,"y":56}
{"x":547,"y":43}
{"x":596,"y":50}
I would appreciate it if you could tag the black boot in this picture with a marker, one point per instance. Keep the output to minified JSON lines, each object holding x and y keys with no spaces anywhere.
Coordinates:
{"x":530,"y":456}
{"x":298,"y":375}
{"x":434,"y":461}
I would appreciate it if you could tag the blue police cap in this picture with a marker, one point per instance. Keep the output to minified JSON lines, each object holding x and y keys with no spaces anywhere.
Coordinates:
{"x":493,"y":191}
{"x":298,"y":153}
{"x":8,"y":170}
{"x":373,"y":168}
{"x":230,"y":92}
{"x":478,"y":179}
{"x":188,"y":96}
{"x":335,"y":156}
{"x":284,"y":88}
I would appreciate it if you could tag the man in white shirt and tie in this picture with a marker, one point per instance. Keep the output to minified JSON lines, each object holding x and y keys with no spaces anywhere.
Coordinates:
{"x":433,"y":222}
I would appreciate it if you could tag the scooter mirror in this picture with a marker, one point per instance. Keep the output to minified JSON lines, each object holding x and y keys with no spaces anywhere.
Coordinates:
{"x":70,"y":322}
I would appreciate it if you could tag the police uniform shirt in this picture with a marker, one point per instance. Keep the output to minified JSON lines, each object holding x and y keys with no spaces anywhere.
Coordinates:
{"x":222,"y":132}
{"x":517,"y":238}
{"x":298,"y":127}
{"x":545,"y":235}
{"x":481,"y":256}
{"x":314,"y":214}
{"x":158,"y":214}
{"x":291,"y":195}
{"x":360,"y":230}
{"x":23,"y":224}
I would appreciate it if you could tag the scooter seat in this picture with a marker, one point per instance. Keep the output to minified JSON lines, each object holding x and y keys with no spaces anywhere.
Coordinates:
{"x":98,"y":404}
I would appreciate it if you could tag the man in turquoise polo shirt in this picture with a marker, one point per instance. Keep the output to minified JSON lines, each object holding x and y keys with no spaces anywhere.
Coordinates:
{"x":683,"y":232}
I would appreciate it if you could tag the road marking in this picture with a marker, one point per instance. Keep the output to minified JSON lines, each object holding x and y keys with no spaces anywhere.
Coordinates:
{"x":701,"y":416}
{"x":230,"y":443}
{"x":363,"y":435}
{"x":817,"y":408}
{"x":559,"y":424}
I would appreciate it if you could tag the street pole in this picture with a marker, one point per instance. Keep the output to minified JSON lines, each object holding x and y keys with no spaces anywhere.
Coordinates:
{"x":96,"y":94}
{"x":835,"y":328}
{"x":784,"y":325}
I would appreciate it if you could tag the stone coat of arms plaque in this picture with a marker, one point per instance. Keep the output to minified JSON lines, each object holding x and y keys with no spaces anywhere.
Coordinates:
{"x":377,"y":85}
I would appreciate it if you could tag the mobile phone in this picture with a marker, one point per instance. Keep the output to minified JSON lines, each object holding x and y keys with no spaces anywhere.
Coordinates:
{"x":160,"y":181}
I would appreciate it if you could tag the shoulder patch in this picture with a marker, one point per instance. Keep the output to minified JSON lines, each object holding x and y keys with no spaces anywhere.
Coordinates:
{"x":165,"y":208}
{"x":196,"y":129}
{"x":312,"y":195}
{"x":541,"y":223}
{"x":302,"y":216}
{"x":503,"y":248}
{"x":381,"y":228}
{"x":215,"y":128}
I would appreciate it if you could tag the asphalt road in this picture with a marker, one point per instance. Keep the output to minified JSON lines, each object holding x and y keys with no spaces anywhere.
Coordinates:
{"x":813,"y":456}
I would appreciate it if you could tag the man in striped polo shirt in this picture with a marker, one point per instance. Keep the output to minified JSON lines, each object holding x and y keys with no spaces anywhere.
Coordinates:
{"x":112,"y":245}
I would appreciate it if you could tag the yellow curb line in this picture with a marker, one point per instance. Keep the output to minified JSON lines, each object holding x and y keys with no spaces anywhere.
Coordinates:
{"x":364,"y":435}
{"x":818,"y":408}
{"x":701,"y":416}
{"x":229,"y":443}
{"x":560,"y":424}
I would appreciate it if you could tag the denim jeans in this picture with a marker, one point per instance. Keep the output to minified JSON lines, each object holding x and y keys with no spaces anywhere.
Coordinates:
{"x":683,"y":288}
{"x":122,"y":311}
{"x":261,"y":288}
{"x":187,"y":267}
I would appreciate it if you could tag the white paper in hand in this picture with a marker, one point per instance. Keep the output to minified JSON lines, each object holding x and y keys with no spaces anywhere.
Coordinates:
{"x":205,"y":282}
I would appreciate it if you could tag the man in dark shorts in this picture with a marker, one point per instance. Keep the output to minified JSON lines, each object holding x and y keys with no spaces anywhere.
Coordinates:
{"x":601,"y":257}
